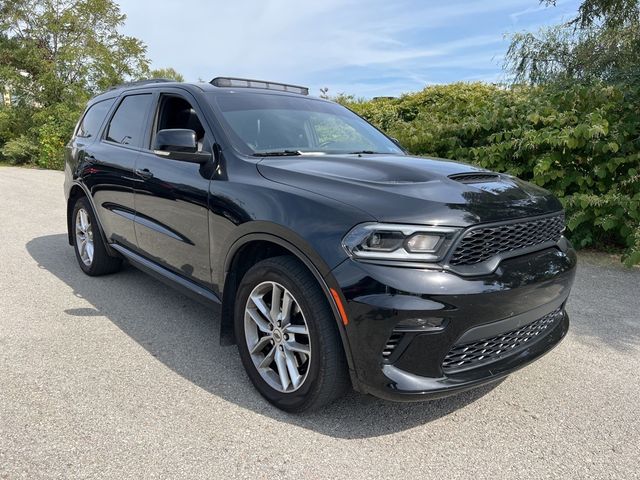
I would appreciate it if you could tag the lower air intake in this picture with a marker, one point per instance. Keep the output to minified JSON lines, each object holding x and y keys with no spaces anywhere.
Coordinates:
{"x":475,"y":354}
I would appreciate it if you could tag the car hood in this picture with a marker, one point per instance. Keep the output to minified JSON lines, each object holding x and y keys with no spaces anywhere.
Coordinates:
{"x":405,"y":189}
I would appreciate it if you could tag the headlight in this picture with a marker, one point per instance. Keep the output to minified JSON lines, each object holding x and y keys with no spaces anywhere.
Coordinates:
{"x":406,"y":243}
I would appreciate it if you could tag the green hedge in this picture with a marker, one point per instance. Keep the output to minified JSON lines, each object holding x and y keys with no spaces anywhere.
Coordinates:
{"x":582,"y":142}
{"x":36,"y":136}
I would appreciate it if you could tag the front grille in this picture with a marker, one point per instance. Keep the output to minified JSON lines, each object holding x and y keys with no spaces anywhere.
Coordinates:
{"x":475,"y":354}
{"x":480,"y":244}
{"x":391,"y":345}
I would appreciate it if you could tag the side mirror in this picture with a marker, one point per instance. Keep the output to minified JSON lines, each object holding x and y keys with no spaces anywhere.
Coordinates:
{"x":179,"y":144}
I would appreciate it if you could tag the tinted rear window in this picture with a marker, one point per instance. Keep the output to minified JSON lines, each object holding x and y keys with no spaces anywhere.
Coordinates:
{"x":128,"y":123}
{"x":93,"y":118}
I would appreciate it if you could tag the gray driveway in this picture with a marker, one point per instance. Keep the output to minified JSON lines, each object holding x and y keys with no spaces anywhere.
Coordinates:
{"x":121,"y":377}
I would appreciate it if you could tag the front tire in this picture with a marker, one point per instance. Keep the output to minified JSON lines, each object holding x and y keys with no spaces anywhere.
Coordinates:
{"x":91,"y":252}
{"x":287,"y":336}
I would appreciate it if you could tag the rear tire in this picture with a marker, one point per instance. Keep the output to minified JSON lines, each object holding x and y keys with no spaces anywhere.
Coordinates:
{"x":91,"y":252}
{"x":291,"y":350}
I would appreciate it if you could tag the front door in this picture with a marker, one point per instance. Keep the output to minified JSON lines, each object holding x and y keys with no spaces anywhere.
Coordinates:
{"x":172,"y":226}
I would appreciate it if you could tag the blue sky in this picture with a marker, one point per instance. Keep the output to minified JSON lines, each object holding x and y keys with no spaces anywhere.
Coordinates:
{"x":362,"y":47}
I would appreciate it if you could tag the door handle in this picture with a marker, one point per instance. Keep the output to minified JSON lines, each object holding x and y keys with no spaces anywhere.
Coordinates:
{"x":144,"y":173}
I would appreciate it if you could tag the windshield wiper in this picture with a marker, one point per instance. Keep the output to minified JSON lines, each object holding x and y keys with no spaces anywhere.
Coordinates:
{"x":278,"y":153}
{"x":364,"y":152}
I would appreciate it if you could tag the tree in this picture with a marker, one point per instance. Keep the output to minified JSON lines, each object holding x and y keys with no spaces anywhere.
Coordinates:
{"x":168,"y":73}
{"x":54,"y":55}
{"x":611,"y":13}
{"x":601,"y":43}
{"x":56,"y":51}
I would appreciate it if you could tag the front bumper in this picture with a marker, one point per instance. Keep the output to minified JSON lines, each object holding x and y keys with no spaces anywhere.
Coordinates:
{"x":520,"y":291}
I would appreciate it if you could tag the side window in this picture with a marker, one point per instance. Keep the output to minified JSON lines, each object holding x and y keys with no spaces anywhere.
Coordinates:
{"x":128,"y":123}
{"x":176,"y":112}
{"x":93,"y":118}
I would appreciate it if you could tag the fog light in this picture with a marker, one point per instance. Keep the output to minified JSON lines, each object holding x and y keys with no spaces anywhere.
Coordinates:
{"x":426,"y":324}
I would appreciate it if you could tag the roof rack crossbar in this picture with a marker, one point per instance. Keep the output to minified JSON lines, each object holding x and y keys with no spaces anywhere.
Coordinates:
{"x":141,"y":82}
{"x":249,"y":83}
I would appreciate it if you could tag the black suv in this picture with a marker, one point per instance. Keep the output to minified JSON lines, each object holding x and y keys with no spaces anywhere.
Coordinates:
{"x":337,"y":258}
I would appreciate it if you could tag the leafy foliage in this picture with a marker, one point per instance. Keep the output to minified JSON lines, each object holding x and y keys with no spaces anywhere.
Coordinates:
{"x":54,"y":127}
{"x":611,"y":13}
{"x":54,"y":51}
{"x":19,"y":150}
{"x":582,"y":142}
{"x":168,"y":73}
{"x":601,"y":43}
{"x":53,"y":57}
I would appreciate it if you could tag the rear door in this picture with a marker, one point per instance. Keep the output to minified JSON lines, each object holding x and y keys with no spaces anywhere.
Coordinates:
{"x":111,"y":164}
{"x":172,"y":226}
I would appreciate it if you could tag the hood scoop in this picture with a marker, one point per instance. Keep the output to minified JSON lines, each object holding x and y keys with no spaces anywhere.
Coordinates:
{"x":475,"y":177}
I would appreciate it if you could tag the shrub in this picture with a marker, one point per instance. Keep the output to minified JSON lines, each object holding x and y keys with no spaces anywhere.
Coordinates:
{"x":53,"y":129}
{"x":36,"y":136}
{"x":51,"y":142}
{"x":20,"y":150}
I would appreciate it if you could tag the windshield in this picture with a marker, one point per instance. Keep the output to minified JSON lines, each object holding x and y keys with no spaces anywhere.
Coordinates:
{"x":280,"y":124}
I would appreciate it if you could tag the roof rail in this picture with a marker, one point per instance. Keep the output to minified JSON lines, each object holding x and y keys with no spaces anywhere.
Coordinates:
{"x":249,"y":83}
{"x":140,"y":82}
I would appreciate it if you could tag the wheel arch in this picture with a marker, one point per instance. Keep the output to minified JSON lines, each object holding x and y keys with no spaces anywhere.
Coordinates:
{"x":77,"y":191}
{"x":253,"y":247}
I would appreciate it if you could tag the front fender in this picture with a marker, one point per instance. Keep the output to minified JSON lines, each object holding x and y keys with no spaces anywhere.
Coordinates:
{"x":289,"y":240}
{"x":268,"y":231}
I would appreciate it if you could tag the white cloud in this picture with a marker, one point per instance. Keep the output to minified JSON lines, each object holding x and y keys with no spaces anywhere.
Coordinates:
{"x":310,"y":42}
{"x":558,"y":12}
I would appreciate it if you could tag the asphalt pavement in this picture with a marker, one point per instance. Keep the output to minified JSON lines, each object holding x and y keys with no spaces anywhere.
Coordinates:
{"x":122,"y":377}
